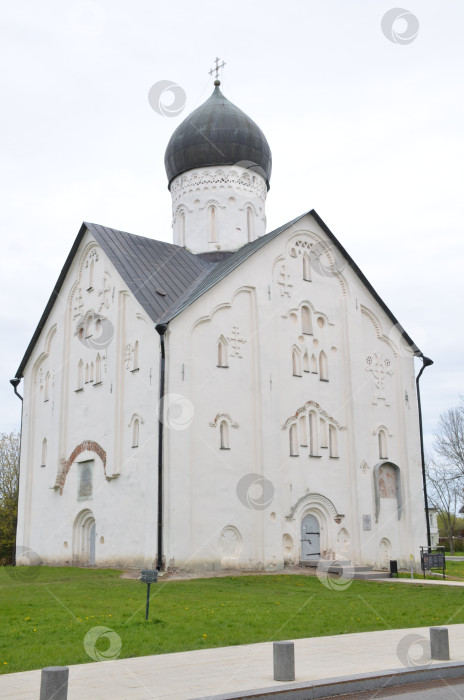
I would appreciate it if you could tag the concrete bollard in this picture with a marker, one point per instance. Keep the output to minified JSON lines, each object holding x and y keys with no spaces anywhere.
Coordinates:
{"x":439,"y":643}
{"x":284,"y":661}
{"x":54,"y":683}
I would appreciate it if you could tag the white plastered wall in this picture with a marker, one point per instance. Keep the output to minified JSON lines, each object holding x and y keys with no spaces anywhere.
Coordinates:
{"x":218,"y":208}
{"x":209,"y":524}
{"x":124,"y":490}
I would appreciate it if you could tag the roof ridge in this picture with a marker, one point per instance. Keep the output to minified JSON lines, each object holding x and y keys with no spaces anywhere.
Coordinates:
{"x":186,"y":276}
{"x":223,"y":268}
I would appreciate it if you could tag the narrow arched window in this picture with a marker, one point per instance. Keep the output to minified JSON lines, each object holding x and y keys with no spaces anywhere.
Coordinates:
{"x":47,"y":387}
{"x":135,"y":433}
{"x":224,"y":434}
{"x":296,"y":363}
{"x":313,"y":435}
{"x":91,"y":269}
{"x":182,"y":228}
{"x":44,"y":452}
{"x":98,"y":369}
{"x":323,"y":432}
{"x":293,"y":440}
{"x":306,"y":268}
{"x":306,"y":361}
{"x":313,"y":364}
{"x":80,"y":375}
{"x":303,"y":433}
{"x":323,"y":367}
{"x":92,"y":367}
{"x":382,"y":445}
{"x":222,"y":353}
{"x":135,"y":358}
{"x":212,"y":224}
{"x":250,"y":228}
{"x":333,"y":448}
{"x":87,"y":373}
{"x":306,"y":320}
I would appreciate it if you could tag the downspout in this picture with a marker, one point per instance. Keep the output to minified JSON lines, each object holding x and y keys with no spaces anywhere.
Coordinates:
{"x":426,"y":363}
{"x":15,"y":383}
{"x":161,"y":329}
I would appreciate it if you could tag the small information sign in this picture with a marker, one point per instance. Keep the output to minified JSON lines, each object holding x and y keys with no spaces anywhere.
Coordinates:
{"x":148,"y":576}
{"x":433,"y":558}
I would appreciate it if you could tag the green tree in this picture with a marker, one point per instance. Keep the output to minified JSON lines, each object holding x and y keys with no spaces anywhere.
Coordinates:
{"x":9,"y":486}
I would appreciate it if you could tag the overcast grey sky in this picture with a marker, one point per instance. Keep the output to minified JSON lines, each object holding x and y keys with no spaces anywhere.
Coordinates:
{"x":366,"y":130}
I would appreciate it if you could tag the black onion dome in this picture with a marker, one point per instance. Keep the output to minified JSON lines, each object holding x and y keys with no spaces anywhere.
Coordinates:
{"x":217,"y":133}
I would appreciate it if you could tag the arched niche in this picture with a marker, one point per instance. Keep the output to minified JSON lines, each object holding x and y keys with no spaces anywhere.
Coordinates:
{"x":86,"y":446}
{"x":383,"y":474}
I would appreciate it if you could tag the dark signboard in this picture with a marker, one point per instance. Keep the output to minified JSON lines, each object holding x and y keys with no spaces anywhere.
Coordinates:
{"x":433,"y":558}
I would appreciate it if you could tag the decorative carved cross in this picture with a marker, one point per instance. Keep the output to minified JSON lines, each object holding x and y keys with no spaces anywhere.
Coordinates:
{"x":364,"y":467}
{"x":78,"y":304}
{"x":236,"y":340}
{"x":103,"y":293}
{"x":379,"y":368}
{"x":285,"y":285}
{"x":217,"y":68}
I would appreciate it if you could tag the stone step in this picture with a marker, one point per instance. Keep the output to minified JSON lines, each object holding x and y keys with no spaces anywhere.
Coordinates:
{"x":360,"y":573}
{"x":340,"y":566}
{"x":323,"y":565}
{"x":371,"y":575}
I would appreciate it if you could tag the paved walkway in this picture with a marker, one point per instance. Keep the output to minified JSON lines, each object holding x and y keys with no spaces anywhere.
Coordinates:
{"x":425,"y":581}
{"x":211,"y":672}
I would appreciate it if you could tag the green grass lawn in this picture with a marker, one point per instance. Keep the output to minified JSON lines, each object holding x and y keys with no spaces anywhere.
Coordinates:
{"x":45,"y":619}
{"x":454,"y":569}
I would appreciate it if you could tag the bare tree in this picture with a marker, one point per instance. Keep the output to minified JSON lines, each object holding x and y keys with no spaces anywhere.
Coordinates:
{"x":449,"y":438}
{"x":444,"y":493}
{"x":9,"y":484}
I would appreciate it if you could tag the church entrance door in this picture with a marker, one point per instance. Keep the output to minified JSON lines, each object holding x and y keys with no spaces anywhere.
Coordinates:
{"x":84,"y":539}
{"x":310,"y":538}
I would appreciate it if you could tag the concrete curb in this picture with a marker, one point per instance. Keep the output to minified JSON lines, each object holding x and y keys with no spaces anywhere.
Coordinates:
{"x":313,"y":690}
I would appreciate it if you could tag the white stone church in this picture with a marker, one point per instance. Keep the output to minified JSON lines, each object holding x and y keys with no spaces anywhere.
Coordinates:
{"x":234,"y":399}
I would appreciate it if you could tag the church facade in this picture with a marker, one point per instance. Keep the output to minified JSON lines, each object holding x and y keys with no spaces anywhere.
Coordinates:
{"x":236,"y":399}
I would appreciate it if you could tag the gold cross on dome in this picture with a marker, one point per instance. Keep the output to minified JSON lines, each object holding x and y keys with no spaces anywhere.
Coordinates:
{"x":216,"y":68}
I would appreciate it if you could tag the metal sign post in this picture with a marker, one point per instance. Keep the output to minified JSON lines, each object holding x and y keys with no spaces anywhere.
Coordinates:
{"x":148,"y":576}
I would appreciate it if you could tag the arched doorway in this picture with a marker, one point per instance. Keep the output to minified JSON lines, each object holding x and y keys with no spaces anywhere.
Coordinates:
{"x":84,"y":539}
{"x":310,"y":538}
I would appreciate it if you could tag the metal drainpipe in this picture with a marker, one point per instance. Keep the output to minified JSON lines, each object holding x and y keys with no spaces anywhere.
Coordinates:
{"x":15,"y":383}
{"x":161,"y":329}
{"x":426,"y":363}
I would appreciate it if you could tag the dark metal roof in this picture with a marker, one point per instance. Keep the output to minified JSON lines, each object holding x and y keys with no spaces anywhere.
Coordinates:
{"x":221,"y":270}
{"x":217,"y":133}
{"x":148,"y":266}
